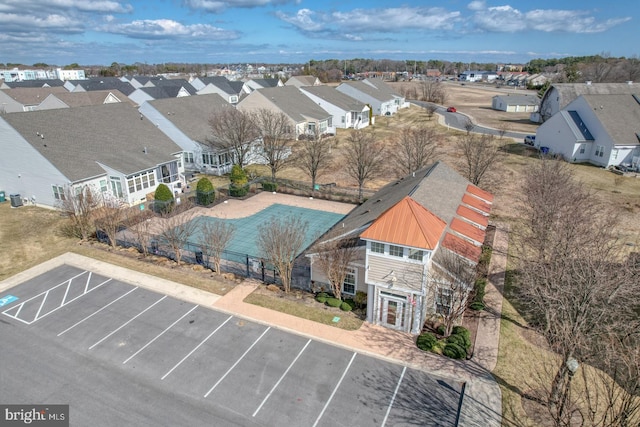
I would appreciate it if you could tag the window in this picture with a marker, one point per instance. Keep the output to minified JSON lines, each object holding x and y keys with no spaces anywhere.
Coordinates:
{"x":396,"y":251}
{"x":582,"y":148}
{"x":103,"y":186}
{"x":58,"y":192}
{"x":416,"y":254}
{"x":614,"y":153}
{"x":600,"y":151}
{"x":443,"y":300}
{"x":311,"y":127}
{"x":349,"y":285}
{"x":188,"y":157}
{"x":116,"y":186}
{"x":377,"y":247}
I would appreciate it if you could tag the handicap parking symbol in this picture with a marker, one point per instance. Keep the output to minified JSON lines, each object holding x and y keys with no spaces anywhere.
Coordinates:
{"x":6,"y":300}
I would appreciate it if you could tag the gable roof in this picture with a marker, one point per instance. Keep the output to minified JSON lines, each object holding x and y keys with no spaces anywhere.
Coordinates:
{"x":32,"y":95}
{"x":103,"y":84}
{"x":368,"y":90}
{"x":191,"y":114}
{"x":292,"y":102}
{"x":76,"y":139}
{"x":301,"y":81}
{"x":382,"y":87}
{"x":619,"y":114}
{"x":265,"y":83}
{"x":34,"y":83}
{"x":567,"y":92}
{"x":97,"y":97}
{"x":420,"y":228}
{"x":334,"y":97}
{"x":223,"y":84}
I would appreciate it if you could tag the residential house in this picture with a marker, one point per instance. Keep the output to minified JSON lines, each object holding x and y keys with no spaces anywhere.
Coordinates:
{"x":253,"y":84}
{"x":99,"y":83}
{"x":382,"y":99}
{"x":598,"y":129}
{"x":80,"y":99}
{"x":300,"y":81}
{"x":403,"y":230}
{"x":111,"y":148}
{"x":559,"y":95}
{"x":185,"y":121}
{"x":347,"y":112}
{"x":26,"y":98}
{"x":31,"y":83}
{"x":227,"y":89}
{"x":515,"y":103}
{"x":306,"y":116}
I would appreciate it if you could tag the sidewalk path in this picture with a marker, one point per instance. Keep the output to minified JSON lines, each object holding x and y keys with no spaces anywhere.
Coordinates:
{"x":481,"y":405}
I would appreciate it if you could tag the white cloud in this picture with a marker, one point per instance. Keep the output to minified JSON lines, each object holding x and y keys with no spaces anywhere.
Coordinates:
{"x":49,"y":6}
{"x":509,"y":19}
{"x":388,"y":20}
{"x":218,"y":6}
{"x":167,"y":28}
{"x":476,"y":5}
{"x":14,"y":23}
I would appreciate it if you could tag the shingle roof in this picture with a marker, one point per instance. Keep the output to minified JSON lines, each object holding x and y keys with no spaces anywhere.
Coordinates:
{"x":33,"y":95}
{"x":293,"y":103}
{"x":408,"y":224}
{"x":97,"y":97}
{"x":222,"y":83}
{"x":619,"y":115}
{"x":76,"y":139}
{"x":334,"y":97}
{"x":570,"y":91}
{"x":35,"y":83}
{"x":191,"y":114}
{"x":369,"y":90}
{"x":104,"y":84}
{"x":265,"y":83}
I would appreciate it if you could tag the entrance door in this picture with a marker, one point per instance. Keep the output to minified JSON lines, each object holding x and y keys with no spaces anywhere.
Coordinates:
{"x":392,"y":312}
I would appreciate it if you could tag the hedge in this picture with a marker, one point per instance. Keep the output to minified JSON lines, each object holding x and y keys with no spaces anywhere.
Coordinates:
{"x":334,"y":302}
{"x":269,"y":186}
{"x":205,"y":193}
{"x":345,"y":306}
{"x":454,"y":351}
{"x":238,"y":191}
{"x":426,"y":341}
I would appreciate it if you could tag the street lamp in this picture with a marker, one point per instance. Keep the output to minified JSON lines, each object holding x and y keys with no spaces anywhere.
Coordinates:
{"x":572,"y":366}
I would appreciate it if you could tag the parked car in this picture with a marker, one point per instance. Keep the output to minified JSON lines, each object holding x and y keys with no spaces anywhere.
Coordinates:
{"x":451,"y":110}
{"x":530,"y":140}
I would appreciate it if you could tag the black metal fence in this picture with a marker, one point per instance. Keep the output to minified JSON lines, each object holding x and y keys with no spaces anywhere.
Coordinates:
{"x":244,"y":265}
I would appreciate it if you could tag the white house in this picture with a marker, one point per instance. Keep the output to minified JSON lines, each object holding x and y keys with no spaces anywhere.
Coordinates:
{"x":598,"y":129}
{"x":374,"y":92}
{"x":110,"y":147}
{"x":515,"y":103}
{"x":347,"y":112}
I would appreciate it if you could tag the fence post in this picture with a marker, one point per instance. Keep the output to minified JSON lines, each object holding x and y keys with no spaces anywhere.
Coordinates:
{"x":247,"y":263}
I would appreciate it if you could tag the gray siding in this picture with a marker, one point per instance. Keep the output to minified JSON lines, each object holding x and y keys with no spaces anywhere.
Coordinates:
{"x":408,"y":275}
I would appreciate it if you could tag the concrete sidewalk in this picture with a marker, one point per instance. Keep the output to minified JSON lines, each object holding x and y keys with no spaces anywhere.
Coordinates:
{"x":481,"y":405}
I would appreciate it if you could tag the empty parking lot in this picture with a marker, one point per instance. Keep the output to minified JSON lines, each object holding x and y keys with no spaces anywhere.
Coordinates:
{"x":124,"y":355}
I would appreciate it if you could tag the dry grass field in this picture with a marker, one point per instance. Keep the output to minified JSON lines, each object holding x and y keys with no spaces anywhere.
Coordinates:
{"x":29,"y":235}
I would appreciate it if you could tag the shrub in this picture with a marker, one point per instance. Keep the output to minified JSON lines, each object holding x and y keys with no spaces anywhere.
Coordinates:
{"x":440,"y":330}
{"x":269,"y":186}
{"x":321,"y":299}
{"x":477,"y":305}
{"x":426,"y":341}
{"x":164,"y":199}
{"x":351,"y":303}
{"x":456,"y":339}
{"x":235,"y":191}
{"x":360,"y":299}
{"x":322,"y":294}
{"x":454,"y":351}
{"x":463,"y":334}
{"x":205,"y":193}
{"x":334,"y":302}
{"x":238,"y":176}
{"x":345,"y":306}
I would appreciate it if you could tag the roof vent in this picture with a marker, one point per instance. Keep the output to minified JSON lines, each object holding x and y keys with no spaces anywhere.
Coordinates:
{"x":629,"y":82}
{"x":588,"y":82}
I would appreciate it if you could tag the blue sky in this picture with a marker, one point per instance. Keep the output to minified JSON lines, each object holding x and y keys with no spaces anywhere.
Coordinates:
{"x":294,"y":31}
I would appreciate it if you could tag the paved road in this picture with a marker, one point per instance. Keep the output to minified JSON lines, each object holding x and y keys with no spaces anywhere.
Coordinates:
{"x":459,"y":121}
{"x":128,"y":356}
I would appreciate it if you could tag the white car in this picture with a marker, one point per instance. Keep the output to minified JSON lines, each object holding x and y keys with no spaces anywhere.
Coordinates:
{"x":530,"y":140}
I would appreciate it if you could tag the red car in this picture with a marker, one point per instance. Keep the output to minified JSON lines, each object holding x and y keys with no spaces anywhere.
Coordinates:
{"x":451,"y":110}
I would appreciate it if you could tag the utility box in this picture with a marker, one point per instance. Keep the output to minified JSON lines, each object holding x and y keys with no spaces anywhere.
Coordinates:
{"x":16,"y":200}
{"x":2,"y":199}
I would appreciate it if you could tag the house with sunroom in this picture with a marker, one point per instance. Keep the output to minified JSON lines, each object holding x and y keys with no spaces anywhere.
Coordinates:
{"x":347,"y":112}
{"x":382,"y":100}
{"x":402,"y":231}
{"x":597,"y":129}
{"x":111,"y":148}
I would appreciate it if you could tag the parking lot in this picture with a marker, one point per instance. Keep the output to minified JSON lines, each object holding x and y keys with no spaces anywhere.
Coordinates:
{"x":124,"y":355}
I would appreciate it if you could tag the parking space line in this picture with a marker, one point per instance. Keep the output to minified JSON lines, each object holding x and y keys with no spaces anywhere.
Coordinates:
{"x":96,"y":312}
{"x":237,"y":361}
{"x":393,"y":398}
{"x":45,"y":295}
{"x":129,"y":321}
{"x":160,"y":334}
{"x":326,"y":405}
{"x":281,"y":378}
{"x":197,"y":347}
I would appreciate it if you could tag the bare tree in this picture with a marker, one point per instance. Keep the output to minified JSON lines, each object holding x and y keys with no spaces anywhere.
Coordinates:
{"x":313,"y":155}
{"x":78,"y":204}
{"x":177,"y":227}
{"x":334,"y":256}
{"x":363,"y":158}
{"x":433,"y":91}
{"x":140,"y":228}
{"x":233,"y":130}
{"x":277,"y":135}
{"x":468,"y":125}
{"x":479,"y":154}
{"x":430,"y":109}
{"x":216,"y":235}
{"x":503,"y":129}
{"x":415,"y":149}
{"x":280,"y":240}
{"x":109,"y":219}
{"x":572,"y":283}
{"x":452,"y":279}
